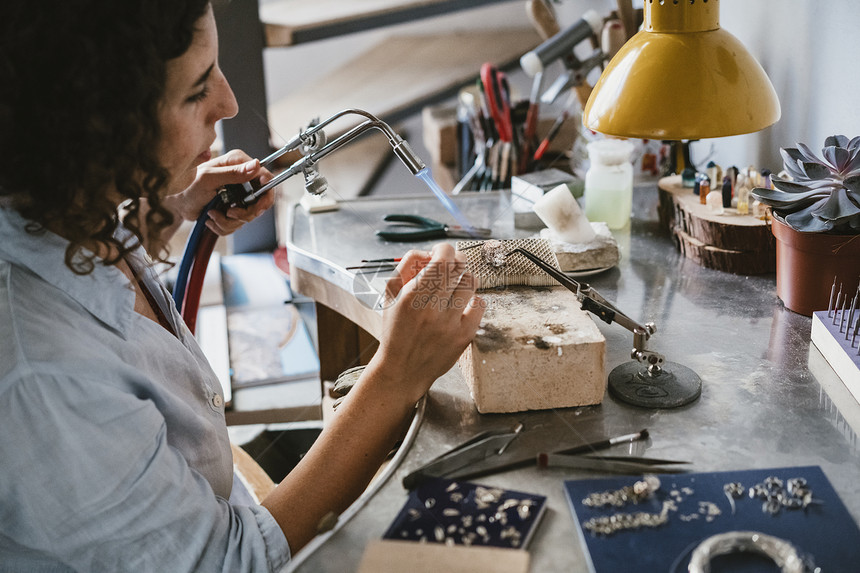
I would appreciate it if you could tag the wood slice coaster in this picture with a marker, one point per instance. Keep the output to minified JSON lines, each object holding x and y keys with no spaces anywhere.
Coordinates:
{"x":731,"y":242}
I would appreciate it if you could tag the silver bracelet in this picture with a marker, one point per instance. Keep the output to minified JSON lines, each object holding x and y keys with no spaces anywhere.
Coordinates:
{"x":778,"y":550}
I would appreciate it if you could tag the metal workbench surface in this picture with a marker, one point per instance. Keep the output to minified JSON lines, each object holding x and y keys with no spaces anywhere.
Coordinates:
{"x":769,"y":398}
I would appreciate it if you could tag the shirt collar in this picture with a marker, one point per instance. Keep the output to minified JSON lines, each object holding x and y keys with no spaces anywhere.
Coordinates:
{"x":106,"y":292}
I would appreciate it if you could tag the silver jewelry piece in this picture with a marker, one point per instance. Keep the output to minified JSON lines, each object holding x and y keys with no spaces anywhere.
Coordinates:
{"x":733,"y":490}
{"x":778,"y":550}
{"x":793,"y":494}
{"x":610,"y":524}
{"x":636,"y":493}
{"x":795,"y":483}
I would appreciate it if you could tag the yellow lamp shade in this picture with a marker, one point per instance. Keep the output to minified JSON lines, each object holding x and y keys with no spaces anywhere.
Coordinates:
{"x":682,"y":77}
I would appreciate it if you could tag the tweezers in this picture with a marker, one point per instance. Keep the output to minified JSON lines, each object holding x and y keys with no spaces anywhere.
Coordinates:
{"x":630,"y":465}
{"x":476,"y":449}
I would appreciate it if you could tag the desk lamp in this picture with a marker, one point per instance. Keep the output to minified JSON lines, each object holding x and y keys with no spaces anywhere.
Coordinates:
{"x":681,"y":77}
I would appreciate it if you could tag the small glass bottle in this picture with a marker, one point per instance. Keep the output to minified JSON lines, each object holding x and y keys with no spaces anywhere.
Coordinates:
{"x":743,"y":195}
{"x":609,"y":182}
{"x":704,"y":190}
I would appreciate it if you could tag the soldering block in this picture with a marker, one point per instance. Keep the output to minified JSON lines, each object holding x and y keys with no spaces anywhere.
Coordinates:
{"x":536,"y":349}
{"x":600,"y":253}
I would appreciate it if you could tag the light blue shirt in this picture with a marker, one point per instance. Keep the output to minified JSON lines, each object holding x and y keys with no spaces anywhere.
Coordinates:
{"x":114,"y":453}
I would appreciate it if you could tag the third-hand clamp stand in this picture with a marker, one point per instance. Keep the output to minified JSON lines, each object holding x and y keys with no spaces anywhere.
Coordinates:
{"x":649,"y":381}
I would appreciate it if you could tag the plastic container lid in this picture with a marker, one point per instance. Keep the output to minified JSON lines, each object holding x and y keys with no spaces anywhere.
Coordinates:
{"x":610,"y":151}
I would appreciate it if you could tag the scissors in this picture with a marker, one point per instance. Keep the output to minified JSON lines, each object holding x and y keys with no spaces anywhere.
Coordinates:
{"x":496,"y":91}
{"x":495,"y":85}
{"x":424,"y":229}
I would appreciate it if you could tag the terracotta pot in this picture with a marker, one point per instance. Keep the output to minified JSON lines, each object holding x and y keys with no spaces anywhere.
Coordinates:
{"x":807,"y":263}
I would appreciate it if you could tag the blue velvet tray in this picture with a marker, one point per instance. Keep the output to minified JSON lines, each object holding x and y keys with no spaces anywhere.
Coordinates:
{"x":457,"y":512}
{"x":824,"y":531}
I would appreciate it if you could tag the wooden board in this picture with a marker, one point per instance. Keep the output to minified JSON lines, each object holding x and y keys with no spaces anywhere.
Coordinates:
{"x":397,"y":77}
{"x":731,"y":242}
{"x":385,"y":556}
{"x":288,"y":22}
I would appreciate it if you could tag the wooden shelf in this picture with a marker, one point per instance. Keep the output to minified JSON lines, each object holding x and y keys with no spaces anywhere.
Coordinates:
{"x":290,"y":22}
{"x":392,"y":80}
{"x":399,"y":76}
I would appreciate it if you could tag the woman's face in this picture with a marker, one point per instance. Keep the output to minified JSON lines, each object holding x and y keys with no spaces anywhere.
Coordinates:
{"x":196,"y":96}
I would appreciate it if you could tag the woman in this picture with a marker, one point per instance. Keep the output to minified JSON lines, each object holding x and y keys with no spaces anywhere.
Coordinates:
{"x":112,"y":438}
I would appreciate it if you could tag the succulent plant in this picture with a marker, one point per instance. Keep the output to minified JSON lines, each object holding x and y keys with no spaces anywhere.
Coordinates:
{"x":823,"y":193}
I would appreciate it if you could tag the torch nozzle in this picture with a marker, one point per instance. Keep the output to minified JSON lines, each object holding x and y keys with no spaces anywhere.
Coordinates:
{"x":410,"y":159}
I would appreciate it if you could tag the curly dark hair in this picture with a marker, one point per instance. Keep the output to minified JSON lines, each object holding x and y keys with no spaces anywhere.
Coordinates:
{"x":80,"y":86}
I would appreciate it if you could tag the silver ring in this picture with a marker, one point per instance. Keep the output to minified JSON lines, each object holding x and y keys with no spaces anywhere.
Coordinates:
{"x":778,"y":550}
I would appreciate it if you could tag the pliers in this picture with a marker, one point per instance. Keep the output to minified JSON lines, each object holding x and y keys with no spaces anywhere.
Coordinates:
{"x":424,"y":229}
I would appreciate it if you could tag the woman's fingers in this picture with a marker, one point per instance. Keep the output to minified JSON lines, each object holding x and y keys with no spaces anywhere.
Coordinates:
{"x":442,"y":273}
{"x":226,"y":223}
{"x":431,"y":277}
{"x":412,"y":263}
{"x":211,"y":176}
{"x":232,"y":157}
{"x":433,"y":317}
{"x":235,"y":167}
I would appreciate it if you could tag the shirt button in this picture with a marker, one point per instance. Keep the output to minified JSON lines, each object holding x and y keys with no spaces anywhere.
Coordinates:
{"x":217,"y":400}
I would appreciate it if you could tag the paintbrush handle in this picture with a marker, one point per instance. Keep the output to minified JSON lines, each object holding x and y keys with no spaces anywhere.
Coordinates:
{"x":603,"y":444}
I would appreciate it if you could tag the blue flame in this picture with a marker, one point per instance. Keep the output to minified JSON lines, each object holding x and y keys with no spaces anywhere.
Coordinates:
{"x":446,"y":201}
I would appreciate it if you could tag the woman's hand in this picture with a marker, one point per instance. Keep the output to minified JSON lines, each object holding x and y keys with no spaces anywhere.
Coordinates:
{"x":233,"y":167}
{"x":434,"y":316}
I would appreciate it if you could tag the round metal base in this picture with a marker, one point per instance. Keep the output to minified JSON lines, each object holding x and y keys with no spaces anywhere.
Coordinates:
{"x":675,"y":385}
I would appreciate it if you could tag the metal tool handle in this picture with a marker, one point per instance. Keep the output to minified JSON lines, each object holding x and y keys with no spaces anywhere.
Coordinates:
{"x":426,"y":229}
{"x":411,"y":236}
{"x":413,"y":219}
{"x":313,"y":141}
{"x":590,"y":299}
